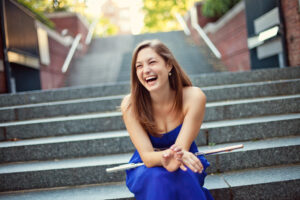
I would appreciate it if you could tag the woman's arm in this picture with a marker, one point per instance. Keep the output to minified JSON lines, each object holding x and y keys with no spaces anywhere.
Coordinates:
{"x":142,"y":143}
{"x":194,"y":101}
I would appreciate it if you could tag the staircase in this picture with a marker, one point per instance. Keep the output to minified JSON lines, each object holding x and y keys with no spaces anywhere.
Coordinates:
{"x":108,"y":60}
{"x":56,"y":144}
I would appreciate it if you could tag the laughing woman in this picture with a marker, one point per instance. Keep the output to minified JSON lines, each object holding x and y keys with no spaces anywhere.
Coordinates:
{"x":163,"y":115}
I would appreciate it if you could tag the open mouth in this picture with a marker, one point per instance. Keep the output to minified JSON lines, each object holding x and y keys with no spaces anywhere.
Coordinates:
{"x":151,"y":79}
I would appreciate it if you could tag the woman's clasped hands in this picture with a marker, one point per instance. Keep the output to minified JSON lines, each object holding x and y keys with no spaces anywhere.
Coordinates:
{"x":175,"y":157}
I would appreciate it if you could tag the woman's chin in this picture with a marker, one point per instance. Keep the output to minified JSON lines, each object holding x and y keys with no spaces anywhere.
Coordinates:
{"x":152,"y":87}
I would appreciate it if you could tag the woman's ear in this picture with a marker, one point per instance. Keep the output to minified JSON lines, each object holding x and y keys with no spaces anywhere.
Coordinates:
{"x":169,"y":67}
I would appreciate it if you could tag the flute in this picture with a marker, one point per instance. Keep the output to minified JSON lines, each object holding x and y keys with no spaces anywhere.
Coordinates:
{"x":209,"y":152}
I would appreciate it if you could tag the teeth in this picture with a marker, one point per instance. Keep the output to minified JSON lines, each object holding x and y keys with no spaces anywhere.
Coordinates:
{"x":149,"y":78}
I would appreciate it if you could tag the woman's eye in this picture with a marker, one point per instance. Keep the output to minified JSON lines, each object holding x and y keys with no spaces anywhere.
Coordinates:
{"x":138,"y":66}
{"x":152,"y":62}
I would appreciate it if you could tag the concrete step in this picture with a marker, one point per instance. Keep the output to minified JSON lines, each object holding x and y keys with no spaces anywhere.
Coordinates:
{"x":116,"y":142}
{"x":91,"y":170}
{"x":60,"y":108}
{"x":225,"y":78}
{"x":60,"y":147}
{"x":101,"y":122}
{"x":213,"y":93}
{"x":111,"y":103}
{"x":280,"y":182}
{"x":110,"y":89}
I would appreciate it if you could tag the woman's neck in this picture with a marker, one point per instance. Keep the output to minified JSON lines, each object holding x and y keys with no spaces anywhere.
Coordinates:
{"x":163,"y":96}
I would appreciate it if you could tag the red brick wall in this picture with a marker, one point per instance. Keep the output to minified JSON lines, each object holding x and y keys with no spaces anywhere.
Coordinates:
{"x":51,"y":76}
{"x":74,"y":26}
{"x":230,"y":40}
{"x":290,"y":9}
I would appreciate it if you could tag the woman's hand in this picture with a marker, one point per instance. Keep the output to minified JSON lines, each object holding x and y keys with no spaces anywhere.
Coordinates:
{"x":171,"y":158}
{"x":191,"y":161}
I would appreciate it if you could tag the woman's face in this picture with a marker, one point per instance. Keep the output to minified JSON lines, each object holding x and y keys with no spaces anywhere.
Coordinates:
{"x":151,"y":69}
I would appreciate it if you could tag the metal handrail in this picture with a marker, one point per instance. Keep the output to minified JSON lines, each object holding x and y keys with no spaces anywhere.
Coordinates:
{"x":183,"y":24}
{"x":195,"y":25}
{"x":92,"y":27}
{"x":71,"y":53}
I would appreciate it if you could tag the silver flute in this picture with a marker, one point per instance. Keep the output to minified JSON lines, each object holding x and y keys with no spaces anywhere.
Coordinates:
{"x":209,"y":152}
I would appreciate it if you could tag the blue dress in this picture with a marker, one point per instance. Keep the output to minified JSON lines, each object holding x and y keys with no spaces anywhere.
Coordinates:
{"x":156,"y":183}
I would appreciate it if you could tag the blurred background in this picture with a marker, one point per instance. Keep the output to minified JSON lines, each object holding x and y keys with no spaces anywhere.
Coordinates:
{"x":47,"y":44}
{"x":65,"y":68}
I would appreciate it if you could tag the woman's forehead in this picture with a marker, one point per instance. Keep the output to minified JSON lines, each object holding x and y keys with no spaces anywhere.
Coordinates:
{"x":146,"y":54}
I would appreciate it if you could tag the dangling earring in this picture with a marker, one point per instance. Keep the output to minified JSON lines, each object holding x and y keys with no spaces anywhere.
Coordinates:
{"x":170,"y":73}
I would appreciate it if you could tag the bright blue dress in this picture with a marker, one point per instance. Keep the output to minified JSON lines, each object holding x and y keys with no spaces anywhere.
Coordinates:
{"x":156,"y":183}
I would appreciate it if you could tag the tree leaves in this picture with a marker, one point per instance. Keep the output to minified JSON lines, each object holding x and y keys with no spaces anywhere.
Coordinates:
{"x":160,"y":15}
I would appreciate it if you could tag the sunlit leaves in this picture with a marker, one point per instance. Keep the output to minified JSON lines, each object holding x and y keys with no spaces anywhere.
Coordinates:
{"x":160,"y":15}
{"x":217,"y":8}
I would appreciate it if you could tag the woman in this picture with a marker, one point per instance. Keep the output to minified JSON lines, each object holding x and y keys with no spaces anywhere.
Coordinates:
{"x":163,"y":114}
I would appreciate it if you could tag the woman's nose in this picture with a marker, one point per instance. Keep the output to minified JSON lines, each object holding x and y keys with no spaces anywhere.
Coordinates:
{"x":147,"y":69}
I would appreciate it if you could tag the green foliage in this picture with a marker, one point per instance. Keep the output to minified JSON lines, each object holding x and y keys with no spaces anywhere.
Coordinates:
{"x":217,"y":8}
{"x":211,"y":144}
{"x":160,"y":15}
{"x":34,"y":6}
{"x":105,"y":28}
{"x":39,"y":7}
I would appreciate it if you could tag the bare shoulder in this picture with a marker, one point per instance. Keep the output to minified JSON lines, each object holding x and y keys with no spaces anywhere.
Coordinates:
{"x":193,"y":94}
{"x":125,"y":104}
{"x":193,"y":99}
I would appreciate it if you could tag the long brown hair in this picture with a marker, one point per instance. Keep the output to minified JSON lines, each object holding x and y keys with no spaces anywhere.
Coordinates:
{"x":140,"y":96}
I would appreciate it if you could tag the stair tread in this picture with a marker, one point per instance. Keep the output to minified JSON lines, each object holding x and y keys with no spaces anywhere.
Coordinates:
{"x":30,"y":96}
{"x":241,"y":178}
{"x":65,"y":138}
{"x":124,"y":158}
{"x":252,"y":120}
{"x":116,"y":113}
{"x":120,"y":97}
{"x":62,"y":102}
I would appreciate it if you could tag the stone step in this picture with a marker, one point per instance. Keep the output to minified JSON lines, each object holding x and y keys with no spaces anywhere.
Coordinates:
{"x":111,"y":103}
{"x":116,"y":142}
{"x":60,"y":147}
{"x":213,"y":93}
{"x":280,"y":182}
{"x":109,"y":89}
{"x":91,"y":170}
{"x":225,"y":78}
{"x":101,"y":122}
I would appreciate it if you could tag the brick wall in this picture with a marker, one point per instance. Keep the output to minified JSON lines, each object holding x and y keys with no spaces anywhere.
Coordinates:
{"x":230,"y":40}
{"x":74,"y":23}
{"x":51,"y":76}
{"x":290,"y":9}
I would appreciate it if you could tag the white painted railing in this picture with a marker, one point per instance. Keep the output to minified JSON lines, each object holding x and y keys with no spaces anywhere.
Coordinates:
{"x":182,"y":23}
{"x":92,"y":27}
{"x":71,"y":53}
{"x":197,"y":27}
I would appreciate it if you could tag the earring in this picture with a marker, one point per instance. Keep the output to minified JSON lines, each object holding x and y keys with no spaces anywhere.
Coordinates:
{"x":170,"y":73}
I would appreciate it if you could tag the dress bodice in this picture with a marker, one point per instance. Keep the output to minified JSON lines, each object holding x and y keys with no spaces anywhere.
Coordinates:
{"x":167,"y":139}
